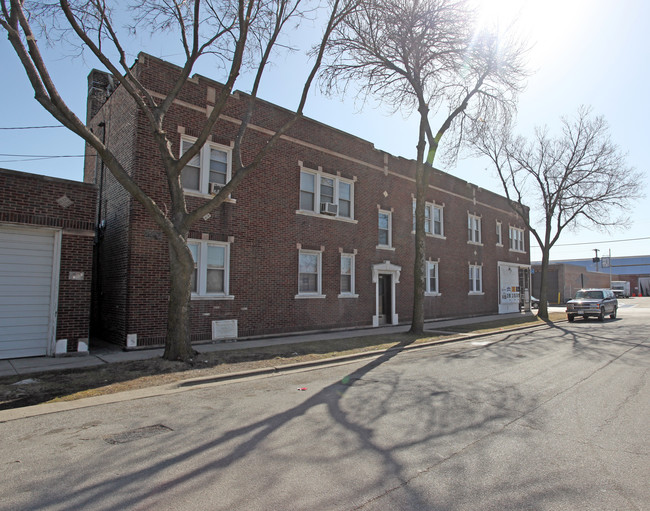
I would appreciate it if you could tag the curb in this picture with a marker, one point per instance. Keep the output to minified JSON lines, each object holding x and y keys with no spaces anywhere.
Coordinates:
{"x":184,"y":385}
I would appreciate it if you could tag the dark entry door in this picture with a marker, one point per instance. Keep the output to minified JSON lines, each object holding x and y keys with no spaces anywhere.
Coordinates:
{"x":385,"y":300}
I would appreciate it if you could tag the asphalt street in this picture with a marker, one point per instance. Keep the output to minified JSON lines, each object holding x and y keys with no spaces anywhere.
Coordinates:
{"x":548,"y":418}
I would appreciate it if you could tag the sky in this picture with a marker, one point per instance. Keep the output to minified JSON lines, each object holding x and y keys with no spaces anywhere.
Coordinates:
{"x":584,"y":52}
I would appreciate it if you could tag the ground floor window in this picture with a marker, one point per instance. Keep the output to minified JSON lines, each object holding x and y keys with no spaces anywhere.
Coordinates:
{"x":211,"y":267}
{"x":309,"y":273}
{"x":475,"y":279}
{"x":347,"y":274}
{"x":432,"y":277}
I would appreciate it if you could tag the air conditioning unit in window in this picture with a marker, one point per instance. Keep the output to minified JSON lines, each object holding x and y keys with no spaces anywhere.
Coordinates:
{"x":328,"y":208}
{"x":215,"y":188}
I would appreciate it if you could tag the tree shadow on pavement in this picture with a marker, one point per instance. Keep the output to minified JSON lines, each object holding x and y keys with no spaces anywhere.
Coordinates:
{"x":427,"y":419}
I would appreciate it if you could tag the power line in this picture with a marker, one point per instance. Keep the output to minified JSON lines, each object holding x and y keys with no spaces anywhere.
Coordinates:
{"x":42,"y":155}
{"x":31,"y":127}
{"x":594,"y":242}
{"x":600,"y":242}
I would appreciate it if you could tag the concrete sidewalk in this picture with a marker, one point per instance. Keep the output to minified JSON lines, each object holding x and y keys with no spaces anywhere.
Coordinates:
{"x":107,"y":353}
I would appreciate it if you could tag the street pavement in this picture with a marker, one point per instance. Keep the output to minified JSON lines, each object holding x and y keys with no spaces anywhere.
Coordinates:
{"x":550,"y":418}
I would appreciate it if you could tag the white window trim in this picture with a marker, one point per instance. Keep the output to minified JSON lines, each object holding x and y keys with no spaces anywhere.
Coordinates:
{"x":510,"y":239}
{"x":352,"y":293}
{"x":319,"y":279}
{"x":477,"y":293}
{"x":433,"y":207}
{"x":318,"y":174}
{"x":202,"y":270}
{"x":480,"y":230}
{"x":428,"y":291}
{"x":204,"y":159}
{"x":499,"y":233}
{"x":390,"y":230}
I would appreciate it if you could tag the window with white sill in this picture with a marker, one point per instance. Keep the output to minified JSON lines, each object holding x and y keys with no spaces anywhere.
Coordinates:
{"x":347,"y":275}
{"x":385,"y":229}
{"x":326,"y":194}
{"x":309,"y":273}
{"x":432,"y":278}
{"x":213,"y":164}
{"x":475,"y":279}
{"x":433,"y":219}
{"x":211,"y":268}
{"x":517,"y":239}
{"x":473,"y":228}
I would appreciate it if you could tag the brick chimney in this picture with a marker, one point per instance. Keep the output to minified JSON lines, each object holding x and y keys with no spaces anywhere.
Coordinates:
{"x":100,"y":86}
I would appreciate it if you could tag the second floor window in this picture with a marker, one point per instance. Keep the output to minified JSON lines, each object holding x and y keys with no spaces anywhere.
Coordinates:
{"x":433,"y":223}
{"x":517,"y":239}
{"x":499,"y":238}
{"x":473,"y":228}
{"x":207,"y":171}
{"x":326,"y":194}
{"x":385,"y":228}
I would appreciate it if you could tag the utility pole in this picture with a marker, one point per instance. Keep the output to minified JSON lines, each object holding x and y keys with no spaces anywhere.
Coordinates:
{"x":596,"y":259}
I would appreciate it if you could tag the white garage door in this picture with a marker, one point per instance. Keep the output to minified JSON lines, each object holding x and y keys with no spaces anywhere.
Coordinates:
{"x":28,"y":260}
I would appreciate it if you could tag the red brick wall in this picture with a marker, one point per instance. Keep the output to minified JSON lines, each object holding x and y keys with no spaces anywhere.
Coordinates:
{"x":31,"y":200}
{"x":266,"y":228}
{"x":112,"y":273}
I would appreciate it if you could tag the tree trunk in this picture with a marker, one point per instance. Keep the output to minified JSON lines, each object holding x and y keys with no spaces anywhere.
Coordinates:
{"x":419,"y":273}
{"x":178,"y":345}
{"x":543,"y":288}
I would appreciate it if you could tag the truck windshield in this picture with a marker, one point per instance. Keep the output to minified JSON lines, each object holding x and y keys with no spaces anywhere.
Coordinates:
{"x":593,"y":295}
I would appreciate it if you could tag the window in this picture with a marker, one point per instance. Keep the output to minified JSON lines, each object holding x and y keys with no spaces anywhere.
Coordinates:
{"x":385,"y":228}
{"x":347,"y":274}
{"x":499,"y":238}
{"x":473,"y":228}
{"x":432,"y":277}
{"x":318,"y":192}
{"x":212,"y":165}
{"x":309,"y":273}
{"x":517,"y":239}
{"x":211,"y":268}
{"x":475,"y":279}
{"x":433,"y":223}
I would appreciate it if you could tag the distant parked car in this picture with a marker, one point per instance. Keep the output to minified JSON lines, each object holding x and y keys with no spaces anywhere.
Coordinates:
{"x":592,"y":302}
{"x":534,"y":302}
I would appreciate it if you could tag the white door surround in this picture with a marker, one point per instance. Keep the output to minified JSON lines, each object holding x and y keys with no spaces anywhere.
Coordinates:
{"x":385,"y":268}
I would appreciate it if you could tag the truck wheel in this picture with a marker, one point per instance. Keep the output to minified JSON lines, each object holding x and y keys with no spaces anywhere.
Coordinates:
{"x":571,"y":317}
{"x":601,"y":316}
{"x":613,"y":314}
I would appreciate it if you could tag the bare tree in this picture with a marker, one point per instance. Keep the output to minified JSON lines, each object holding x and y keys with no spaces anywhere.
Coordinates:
{"x":429,"y":56}
{"x":577,"y":179}
{"x":240,"y":34}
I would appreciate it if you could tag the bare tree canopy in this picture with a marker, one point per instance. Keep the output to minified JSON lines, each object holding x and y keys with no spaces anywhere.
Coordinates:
{"x":240,"y":34}
{"x":431,"y":56}
{"x":577,"y":179}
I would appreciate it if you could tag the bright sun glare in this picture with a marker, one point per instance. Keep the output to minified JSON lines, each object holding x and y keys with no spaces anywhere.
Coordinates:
{"x":545,"y":25}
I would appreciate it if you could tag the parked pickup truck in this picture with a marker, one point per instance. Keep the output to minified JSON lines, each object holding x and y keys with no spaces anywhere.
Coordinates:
{"x":592,"y":302}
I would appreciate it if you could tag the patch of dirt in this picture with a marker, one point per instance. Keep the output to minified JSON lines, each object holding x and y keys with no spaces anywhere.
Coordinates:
{"x":68,"y":385}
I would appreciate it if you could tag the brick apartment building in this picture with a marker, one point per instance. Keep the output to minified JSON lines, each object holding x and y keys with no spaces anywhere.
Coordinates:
{"x":320,"y":236}
{"x":46,"y":248}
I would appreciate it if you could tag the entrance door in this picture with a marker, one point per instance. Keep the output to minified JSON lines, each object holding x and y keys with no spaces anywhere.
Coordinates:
{"x":385,"y":311}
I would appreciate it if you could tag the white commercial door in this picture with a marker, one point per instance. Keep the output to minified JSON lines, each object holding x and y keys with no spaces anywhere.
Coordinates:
{"x":27,"y":262}
{"x":508,"y":289}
